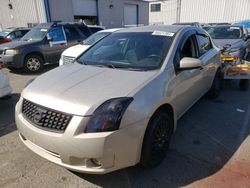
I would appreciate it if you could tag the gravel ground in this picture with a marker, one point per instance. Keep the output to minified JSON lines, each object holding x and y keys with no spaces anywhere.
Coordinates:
{"x":211,"y":148}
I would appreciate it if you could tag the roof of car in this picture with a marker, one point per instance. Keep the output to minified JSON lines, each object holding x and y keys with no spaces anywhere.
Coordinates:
{"x":50,"y":24}
{"x":236,"y":25}
{"x":186,"y":23}
{"x":96,"y":26}
{"x":10,"y":29}
{"x":152,"y":28}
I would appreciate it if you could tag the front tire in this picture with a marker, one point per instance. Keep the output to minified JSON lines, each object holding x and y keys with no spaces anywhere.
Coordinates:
{"x":33,"y":63}
{"x":156,"y":140}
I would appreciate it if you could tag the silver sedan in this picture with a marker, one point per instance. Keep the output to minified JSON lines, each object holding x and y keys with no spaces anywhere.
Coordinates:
{"x":118,"y":104}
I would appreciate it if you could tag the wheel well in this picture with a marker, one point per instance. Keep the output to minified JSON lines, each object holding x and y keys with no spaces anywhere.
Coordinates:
{"x":35,"y":53}
{"x":166,"y":108}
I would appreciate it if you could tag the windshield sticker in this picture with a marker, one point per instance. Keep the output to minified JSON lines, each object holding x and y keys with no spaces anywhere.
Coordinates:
{"x":45,"y":30}
{"x":163,"y":33}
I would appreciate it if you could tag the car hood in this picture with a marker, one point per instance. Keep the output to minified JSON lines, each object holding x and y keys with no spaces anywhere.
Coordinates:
{"x":75,"y":51}
{"x":233,"y":42}
{"x":15,"y":44}
{"x":79,"y":89}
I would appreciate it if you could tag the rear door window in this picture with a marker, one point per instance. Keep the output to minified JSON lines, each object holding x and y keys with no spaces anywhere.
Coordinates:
{"x":71,"y":33}
{"x":24,"y":32}
{"x":85,"y":31}
{"x":95,"y":29}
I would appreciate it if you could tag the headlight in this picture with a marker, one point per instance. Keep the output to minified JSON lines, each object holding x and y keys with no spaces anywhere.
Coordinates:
{"x":11,"y":52}
{"x":107,"y":117}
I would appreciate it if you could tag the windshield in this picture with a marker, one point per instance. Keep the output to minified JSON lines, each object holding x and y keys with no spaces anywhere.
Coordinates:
{"x":35,"y":34}
{"x":95,"y":37}
{"x":225,"y":32}
{"x":134,"y":51}
{"x":4,"y":33}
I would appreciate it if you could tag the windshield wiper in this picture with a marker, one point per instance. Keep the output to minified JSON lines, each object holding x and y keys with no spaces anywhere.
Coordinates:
{"x":110,"y":65}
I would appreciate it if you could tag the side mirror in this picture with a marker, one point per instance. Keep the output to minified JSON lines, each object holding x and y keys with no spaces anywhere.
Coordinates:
{"x":248,"y":37}
{"x":49,"y":37}
{"x":188,"y":63}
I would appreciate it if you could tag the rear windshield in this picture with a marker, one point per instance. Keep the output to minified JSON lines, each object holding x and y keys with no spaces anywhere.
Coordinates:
{"x":230,"y":32}
{"x":138,"y":51}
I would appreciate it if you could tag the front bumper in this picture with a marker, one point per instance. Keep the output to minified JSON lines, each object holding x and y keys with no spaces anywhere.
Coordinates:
{"x":15,"y":61}
{"x":76,"y":150}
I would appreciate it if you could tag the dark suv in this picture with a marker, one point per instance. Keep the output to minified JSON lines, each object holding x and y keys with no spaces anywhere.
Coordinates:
{"x":42,"y":44}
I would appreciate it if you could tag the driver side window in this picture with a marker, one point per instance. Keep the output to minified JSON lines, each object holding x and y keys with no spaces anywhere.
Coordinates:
{"x":187,"y":49}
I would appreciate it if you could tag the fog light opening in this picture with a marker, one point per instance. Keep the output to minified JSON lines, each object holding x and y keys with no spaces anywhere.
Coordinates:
{"x":96,"y":162}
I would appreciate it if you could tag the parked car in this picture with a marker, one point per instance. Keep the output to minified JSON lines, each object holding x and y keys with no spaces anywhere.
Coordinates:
{"x":119,"y":105}
{"x":5,"y":88}
{"x":246,"y":23}
{"x":195,"y":24}
{"x":69,"y":55}
{"x":12,"y":34}
{"x":42,"y":44}
{"x":95,"y":28}
{"x":232,"y":37}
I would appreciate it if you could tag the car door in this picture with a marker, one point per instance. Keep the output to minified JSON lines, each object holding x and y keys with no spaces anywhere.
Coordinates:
{"x":54,"y":44}
{"x":209,"y":57}
{"x":187,"y":83}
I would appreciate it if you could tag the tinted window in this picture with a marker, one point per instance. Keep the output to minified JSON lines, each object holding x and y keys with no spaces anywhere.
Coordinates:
{"x":24,"y":32}
{"x":85,"y":31}
{"x":57,"y":34}
{"x":95,"y":29}
{"x":143,"y":51}
{"x":204,"y":44}
{"x":71,"y":33}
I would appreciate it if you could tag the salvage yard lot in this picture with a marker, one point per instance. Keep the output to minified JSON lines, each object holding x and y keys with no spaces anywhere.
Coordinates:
{"x":210,"y":148}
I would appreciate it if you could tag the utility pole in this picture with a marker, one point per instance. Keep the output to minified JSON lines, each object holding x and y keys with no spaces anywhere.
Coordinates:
{"x":178,"y":12}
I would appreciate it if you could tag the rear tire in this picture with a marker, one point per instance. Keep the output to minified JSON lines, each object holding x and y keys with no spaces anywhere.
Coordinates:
{"x":33,"y":63}
{"x":215,"y":89}
{"x":156,"y":140}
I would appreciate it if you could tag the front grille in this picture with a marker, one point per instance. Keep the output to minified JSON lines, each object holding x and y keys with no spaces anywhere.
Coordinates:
{"x":45,"y":118}
{"x":68,"y":59}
